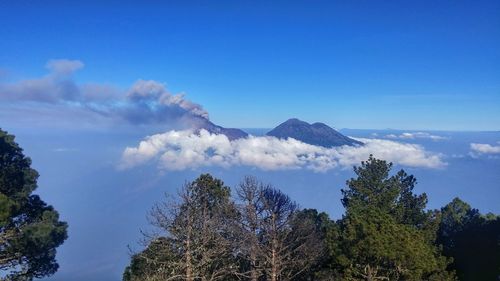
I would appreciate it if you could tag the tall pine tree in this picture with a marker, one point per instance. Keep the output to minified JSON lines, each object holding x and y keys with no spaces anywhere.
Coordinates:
{"x":386,"y":234}
{"x":30,"y":230}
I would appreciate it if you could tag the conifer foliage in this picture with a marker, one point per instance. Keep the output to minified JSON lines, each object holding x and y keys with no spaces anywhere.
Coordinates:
{"x":30,"y":230}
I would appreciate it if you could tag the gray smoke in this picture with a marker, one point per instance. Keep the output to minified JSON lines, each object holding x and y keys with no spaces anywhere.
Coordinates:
{"x":145,"y":102}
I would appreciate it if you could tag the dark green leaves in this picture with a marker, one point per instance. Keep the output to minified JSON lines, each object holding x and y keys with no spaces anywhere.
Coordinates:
{"x":385,"y":232}
{"x":30,"y":230}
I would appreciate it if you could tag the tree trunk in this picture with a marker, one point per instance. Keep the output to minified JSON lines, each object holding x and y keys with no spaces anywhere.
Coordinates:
{"x":274,"y":269}
{"x":253,"y":274}
{"x":189,"y":266}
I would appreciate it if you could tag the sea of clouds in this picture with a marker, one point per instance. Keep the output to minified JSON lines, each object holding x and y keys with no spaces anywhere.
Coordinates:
{"x":186,"y":149}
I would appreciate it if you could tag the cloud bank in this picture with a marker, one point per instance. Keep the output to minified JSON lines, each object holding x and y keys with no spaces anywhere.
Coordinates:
{"x":145,"y":102}
{"x":483,"y":148}
{"x":180,"y":150}
{"x":416,"y":135}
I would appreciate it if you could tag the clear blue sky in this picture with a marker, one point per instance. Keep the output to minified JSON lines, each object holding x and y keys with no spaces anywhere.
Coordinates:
{"x":356,"y":64}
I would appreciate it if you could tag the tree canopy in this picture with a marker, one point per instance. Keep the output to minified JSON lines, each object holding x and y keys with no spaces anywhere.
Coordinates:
{"x":472,"y":240}
{"x":384,"y":234}
{"x":30,"y":230}
{"x":261,"y":234}
{"x":207,"y":236}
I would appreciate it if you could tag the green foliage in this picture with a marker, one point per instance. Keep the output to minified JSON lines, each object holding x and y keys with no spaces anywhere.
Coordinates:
{"x":386,"y":232}
{"x":30,"y":230}
{"x":472,"y":240}
{"x":322,"y":225}
{"x":374,"y":246}
{"x":393,"y":195}
{"x":153,"y":263}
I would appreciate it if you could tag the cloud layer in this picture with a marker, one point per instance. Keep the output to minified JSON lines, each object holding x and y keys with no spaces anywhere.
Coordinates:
{"x":416,"y":135}
{"x":179,"y":150}
{"x":145,"y":102}
{"x":483,"y":148}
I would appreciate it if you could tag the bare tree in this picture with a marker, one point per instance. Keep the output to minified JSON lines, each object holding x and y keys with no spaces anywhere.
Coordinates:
{"x":196,"y":233}
{"x":203,"y":236}
{"x":250,"y":222}
{"x":277,"y":244}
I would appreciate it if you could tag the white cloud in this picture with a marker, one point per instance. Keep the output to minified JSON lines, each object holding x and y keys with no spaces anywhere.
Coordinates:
{"x":483,"y":148}
{"x":64,"y":149}
{"x":179,"y":150}
{"x":416,"y":135}
{"x":64,"y":66}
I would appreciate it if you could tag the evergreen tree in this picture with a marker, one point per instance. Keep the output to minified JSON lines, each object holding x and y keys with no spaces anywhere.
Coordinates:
{"x":321,"y":224}
{"x":472,"y":240}
{"x":153,"y":263}
{"x":386,"y":234}
{"x":30,"y":230}
{"x":391,"y":194}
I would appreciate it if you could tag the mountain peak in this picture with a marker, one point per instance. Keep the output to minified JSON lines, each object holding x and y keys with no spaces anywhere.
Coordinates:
{"x":315,"y":134}
{"x":294,"y":120}
{"x":230,"y":133}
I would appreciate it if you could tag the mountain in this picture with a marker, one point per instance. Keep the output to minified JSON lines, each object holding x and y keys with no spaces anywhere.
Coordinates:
{"x":231,"y":133}
{"x":315,"y":134}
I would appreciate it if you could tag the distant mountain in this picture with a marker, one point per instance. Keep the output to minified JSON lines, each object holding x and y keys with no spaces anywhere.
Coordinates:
{"x":315,"y":134}
{"x":231,"y":133}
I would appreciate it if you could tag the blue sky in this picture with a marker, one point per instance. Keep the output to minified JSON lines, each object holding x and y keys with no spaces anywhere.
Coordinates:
{"x":351,"y":64}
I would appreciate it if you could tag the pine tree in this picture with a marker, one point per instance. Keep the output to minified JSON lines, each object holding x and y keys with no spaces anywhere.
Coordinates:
{"x":386,"y":234}
{"x":30,"y":230}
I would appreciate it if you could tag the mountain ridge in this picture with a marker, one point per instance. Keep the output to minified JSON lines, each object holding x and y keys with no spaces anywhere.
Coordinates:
{"x":230,"y":133}
{"x":316,"y":134}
